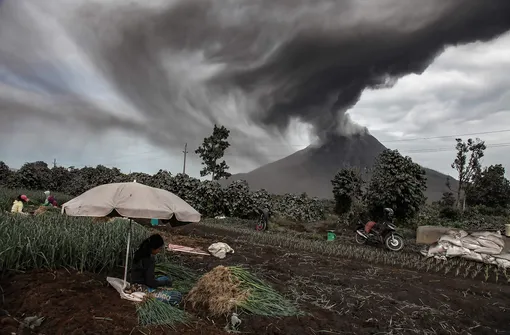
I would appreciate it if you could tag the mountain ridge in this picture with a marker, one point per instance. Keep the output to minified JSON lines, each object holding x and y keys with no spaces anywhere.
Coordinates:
{"x":311,"y":169}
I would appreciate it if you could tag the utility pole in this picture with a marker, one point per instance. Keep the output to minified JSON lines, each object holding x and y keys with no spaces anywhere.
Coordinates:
{"x":185,"y":152}
{"x":54,"y":162}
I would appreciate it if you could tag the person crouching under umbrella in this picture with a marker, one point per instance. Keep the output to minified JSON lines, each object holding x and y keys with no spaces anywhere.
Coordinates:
{"x":143,"y":278}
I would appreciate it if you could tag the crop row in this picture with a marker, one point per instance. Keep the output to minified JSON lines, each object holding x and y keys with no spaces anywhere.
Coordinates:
{"x":371,"y":255}
{"x":56,"y":241}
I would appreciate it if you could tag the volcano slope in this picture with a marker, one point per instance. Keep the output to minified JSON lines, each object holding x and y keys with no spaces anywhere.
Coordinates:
{"x":310,"y":170}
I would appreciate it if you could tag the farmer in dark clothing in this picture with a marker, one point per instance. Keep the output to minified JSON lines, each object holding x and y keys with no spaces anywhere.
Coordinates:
{"x":142,"y":272}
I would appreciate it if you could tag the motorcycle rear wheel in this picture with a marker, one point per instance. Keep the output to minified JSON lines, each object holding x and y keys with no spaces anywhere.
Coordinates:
{"x":360,"y":239}
{"x":261,"y":224}
{"x":394,"y":242}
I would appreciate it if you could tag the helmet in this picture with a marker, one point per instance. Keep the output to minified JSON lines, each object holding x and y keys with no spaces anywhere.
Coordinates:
{"x":388,"y":212}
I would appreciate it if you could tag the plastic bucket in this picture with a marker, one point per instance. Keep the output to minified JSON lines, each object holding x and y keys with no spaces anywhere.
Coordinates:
{"x":154,"y":222}
{"x":507,"y":229}
{"x":331,"y":235}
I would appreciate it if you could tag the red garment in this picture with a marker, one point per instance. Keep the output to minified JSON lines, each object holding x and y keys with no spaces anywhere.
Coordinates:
{"x":369,"y":226}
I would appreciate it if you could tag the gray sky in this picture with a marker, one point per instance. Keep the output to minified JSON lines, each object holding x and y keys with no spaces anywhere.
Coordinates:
{"x":126,"y":84}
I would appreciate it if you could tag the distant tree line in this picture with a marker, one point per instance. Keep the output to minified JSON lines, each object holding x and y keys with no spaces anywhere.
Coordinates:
{"x":399,"y":183}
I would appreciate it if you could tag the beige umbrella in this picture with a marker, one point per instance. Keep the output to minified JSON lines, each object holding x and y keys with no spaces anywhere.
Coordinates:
{"x":133,"y":201}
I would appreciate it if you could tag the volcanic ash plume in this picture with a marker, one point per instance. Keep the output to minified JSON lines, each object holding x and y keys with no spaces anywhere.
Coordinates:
{"x":169,"y":70}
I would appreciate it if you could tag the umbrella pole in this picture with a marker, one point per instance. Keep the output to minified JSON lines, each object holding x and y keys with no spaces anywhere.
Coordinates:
{"x":127,"y":253}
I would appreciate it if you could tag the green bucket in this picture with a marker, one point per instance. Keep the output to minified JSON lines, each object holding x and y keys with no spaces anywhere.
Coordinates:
{"x":331,"y":235}
{"x":154,"y":222}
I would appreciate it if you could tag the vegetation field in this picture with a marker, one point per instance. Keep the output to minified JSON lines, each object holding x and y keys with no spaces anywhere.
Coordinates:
{"x":57,"y":268}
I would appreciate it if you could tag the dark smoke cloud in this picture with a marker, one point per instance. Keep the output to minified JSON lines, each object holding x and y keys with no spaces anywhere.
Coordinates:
{"x":252,"y":65}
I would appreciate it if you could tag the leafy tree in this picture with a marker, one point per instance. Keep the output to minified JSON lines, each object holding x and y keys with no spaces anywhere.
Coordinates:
{"x":213,"y":149}
{"x":5,"y":173}
{"x":33,"y":176}
{"x":447,"y":200}
{"x":490,"y":188}
{"x":447,"y":208}
{"x":467,"y":168}
{"x":61,"y":180}
{"x":397,"y":183}
{"x":347,"y":187}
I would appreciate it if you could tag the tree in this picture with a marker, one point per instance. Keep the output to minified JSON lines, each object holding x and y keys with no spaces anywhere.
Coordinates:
{"x":347,"y":187}
{"x":5,"y":173}
{"x":467,"y":169}
{"x":33,"y":176}
{"x":397,"y":183}
{"x":213,"y":149}
{"x":490,"y":188}
{"x":447,"y":200}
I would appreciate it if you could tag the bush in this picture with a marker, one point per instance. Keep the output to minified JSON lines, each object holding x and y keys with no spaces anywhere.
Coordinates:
{"x":208,"y":197}
{"x":450,"y":213}
{"x":491,"y":211}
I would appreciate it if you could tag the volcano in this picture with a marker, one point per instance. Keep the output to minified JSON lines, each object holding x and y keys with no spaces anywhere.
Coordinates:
{"x":311,"y":169}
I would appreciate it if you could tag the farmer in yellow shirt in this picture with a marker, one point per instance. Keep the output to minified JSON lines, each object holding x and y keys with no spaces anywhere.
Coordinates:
{"x":17,"y":206}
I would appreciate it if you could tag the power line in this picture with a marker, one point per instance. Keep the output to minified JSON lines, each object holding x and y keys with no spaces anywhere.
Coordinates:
{"x":138,"y":154}
{"x":432,"y":150}
{"x":448,"y":136}
{"x":410,"y":151}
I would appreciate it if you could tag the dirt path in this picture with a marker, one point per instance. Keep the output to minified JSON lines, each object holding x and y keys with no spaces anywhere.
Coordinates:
{"x":339,"y":296}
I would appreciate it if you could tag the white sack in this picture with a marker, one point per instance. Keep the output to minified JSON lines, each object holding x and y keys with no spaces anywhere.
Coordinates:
{"x":489,"y":259}
{"x":436,"y":249}
{"x":505,"y":255}
{"x":488,"y":244}
{"x":486,"y":234}
{"x":473,"y":256}
{"x":450,"y":239}
{"x":457,"y":233}
{"x":496,"y":240}
{"x":220,"y":249}
{"x":488,"y":251}
{"x":471,"y":246}
{"x":469,"y":240}
{"x":456,"y":251}
{"x":503,"y":263}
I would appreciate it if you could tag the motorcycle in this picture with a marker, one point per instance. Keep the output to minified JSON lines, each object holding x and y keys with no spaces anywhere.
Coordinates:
{"x":381,"y":233}
{"x":263,"y":220}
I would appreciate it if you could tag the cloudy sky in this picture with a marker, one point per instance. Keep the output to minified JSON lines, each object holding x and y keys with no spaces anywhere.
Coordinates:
{"x":127,"y":84}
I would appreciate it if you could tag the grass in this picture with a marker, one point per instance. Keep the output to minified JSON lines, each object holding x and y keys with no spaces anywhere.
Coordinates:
{"x":152,"y":312}
{"x":54,"y":241}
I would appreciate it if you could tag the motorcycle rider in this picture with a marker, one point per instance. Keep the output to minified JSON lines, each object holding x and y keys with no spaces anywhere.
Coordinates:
{"x":388,"y":216}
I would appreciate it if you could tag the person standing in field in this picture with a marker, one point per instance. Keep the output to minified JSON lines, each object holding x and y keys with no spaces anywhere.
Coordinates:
{"x":17,"y":206}
{"x":142,"y":272}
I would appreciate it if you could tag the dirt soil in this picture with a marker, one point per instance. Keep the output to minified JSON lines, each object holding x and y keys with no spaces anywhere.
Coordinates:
{"x":339,"y":296}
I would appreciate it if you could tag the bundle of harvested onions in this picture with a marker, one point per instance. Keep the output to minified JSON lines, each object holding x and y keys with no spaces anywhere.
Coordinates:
{"x":225,"y":289}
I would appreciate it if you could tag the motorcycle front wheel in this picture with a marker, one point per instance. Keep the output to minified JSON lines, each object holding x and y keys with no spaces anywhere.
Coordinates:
{"x":360,"y":239}
{"x":394,"y":242}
